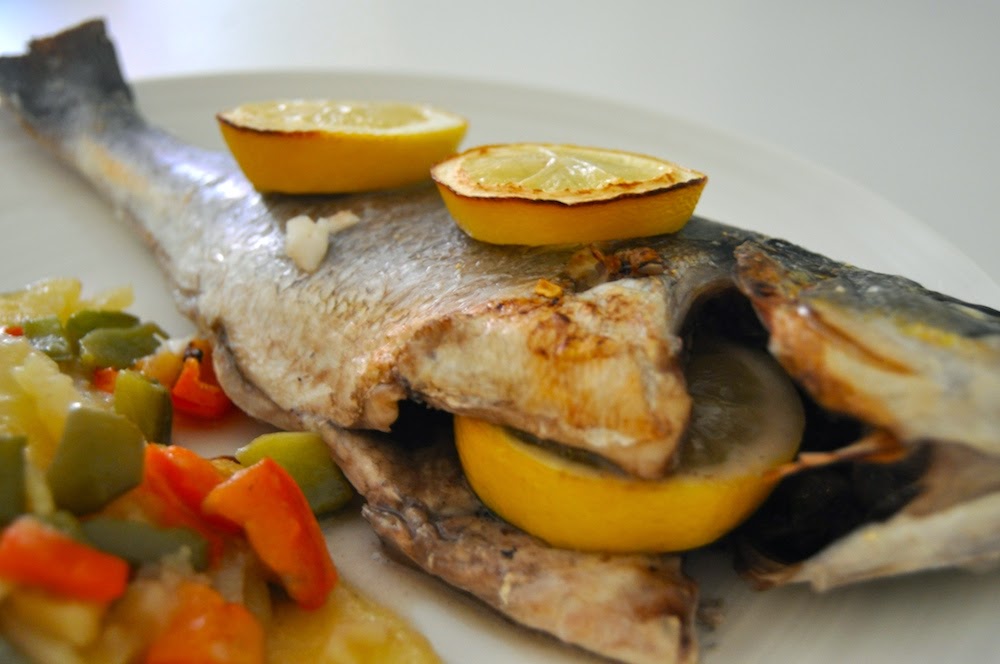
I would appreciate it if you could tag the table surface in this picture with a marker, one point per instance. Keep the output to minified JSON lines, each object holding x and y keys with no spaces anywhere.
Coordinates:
{"x":898,"y":96}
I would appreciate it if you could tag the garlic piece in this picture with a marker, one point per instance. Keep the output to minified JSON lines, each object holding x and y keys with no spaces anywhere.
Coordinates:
{"x":307,"y":241}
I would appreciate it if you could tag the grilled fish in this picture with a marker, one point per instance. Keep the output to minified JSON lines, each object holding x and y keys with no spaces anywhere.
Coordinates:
{"x":406,"y":308}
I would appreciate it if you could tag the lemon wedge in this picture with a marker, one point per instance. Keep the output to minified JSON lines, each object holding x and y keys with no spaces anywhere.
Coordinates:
{"x":327,"y":146}
{"x":747,"y":419}
{"x":541,"y":193}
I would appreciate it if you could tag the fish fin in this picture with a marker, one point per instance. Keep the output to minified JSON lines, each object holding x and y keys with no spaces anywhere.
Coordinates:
{"x":58,"y":75}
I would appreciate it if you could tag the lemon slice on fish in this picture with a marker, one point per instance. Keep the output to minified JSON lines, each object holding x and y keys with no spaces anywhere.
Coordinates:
{"x":542,"y":193}
{"x":747,"y":419}
{"x":328,"y":146}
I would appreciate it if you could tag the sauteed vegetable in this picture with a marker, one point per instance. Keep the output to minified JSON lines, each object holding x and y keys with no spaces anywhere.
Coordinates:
{"x":117,"y":546}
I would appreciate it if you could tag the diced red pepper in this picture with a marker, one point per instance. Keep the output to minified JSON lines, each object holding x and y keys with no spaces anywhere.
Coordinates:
{"x":174,"y":484}
{"x":197,"y":393}
{"x":104,"y":379}
{"x":187,"y":475}
{"x":35,"y":554}
{"x":13,"y":330}
{"x":206,"y":629}
{"x":281,"y":528}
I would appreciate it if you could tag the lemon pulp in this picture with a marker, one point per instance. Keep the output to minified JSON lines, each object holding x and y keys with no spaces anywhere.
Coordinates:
{"x":747,"y":419}
{"x":541,"y":193}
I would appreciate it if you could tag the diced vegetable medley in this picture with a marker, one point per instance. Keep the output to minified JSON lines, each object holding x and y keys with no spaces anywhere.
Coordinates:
{"x":118,"y":546}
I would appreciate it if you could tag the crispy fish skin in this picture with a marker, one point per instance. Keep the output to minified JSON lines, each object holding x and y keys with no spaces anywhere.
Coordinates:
{"x":401,"y":294}
{"x":921,"y":365}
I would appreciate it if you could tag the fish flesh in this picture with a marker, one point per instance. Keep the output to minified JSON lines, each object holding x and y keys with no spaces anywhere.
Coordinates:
{"x":405,"y":308}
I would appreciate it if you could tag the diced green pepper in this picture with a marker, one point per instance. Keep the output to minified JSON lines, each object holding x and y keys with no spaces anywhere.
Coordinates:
{"x":11,"y":655}
{"x":307,"y":459}
{"x":119,"y":347}
{"x":99,"y":457}
{"x":13,"y":501}
{"x":82,"y":322}
{"x":146,"y":403}
{"x":64,"y":522}
{"x":139,"y":542}
{"x":47,"y":335}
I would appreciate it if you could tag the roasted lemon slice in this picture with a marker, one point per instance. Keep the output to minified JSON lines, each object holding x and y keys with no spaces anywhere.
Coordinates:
{"x":540,"y":193}
{"x":325,"y":146}
{"x":747,"y":419}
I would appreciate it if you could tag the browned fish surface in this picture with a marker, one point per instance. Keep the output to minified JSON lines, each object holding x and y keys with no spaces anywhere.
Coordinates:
{"x":882,"y":349}
{"x":917,"y":369}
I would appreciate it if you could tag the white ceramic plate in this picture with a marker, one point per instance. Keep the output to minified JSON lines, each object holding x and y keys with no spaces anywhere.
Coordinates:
{"x":53,"y":224}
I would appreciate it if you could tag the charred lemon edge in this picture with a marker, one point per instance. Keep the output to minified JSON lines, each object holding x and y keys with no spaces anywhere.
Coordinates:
{"x":332,"y":161}
{"x":504,"y":214}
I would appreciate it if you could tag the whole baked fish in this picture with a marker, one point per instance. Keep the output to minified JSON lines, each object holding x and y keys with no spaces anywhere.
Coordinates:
{"x":407,"y":308}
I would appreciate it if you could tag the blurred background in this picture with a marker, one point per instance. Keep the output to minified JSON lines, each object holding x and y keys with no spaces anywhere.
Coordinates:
{"x":898,"y":96}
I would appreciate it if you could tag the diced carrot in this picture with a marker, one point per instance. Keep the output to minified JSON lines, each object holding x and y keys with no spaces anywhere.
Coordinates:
{"x":197,"y":393}
{"x":206,"y":629}
{"x":281,"y":528}
{"x":35,"y":554}
{"x":104,"y":379}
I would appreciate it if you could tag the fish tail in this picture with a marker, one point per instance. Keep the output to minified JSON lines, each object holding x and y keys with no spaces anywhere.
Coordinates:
{"x":63,"y":79}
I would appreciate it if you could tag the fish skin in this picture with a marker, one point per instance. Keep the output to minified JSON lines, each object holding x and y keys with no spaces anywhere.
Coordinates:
{"x":881,"y":348}
{"x":919,"y":365}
